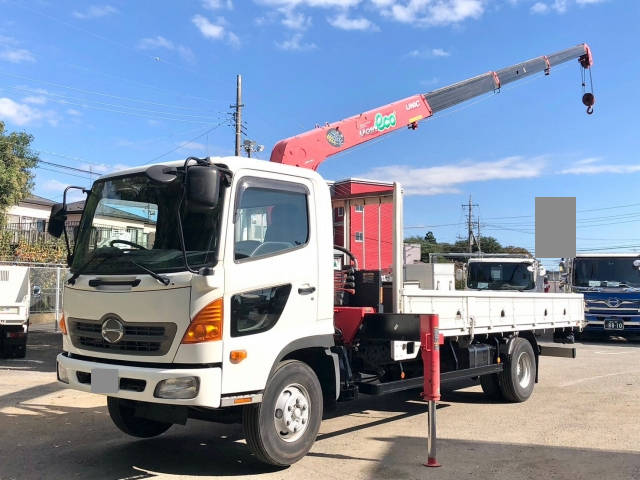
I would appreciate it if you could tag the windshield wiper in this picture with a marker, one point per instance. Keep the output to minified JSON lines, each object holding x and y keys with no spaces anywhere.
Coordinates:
{"x":113,"y":252}
{"x":104,"y":253}
{"x":163,"y":279}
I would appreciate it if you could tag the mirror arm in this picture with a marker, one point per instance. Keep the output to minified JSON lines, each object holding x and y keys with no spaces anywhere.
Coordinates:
{"x":64,"y":229}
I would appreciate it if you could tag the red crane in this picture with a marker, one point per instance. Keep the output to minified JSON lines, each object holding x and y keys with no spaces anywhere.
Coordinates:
{"x":310,"y":149}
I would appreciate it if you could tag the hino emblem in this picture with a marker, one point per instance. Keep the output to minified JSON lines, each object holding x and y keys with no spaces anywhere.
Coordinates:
{"x":613,"y":302}
{"x":112,"y":330}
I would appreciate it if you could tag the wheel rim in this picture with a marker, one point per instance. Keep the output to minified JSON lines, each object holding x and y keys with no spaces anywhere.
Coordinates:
{"x":291,"y":413}
{"x":524,"y":370}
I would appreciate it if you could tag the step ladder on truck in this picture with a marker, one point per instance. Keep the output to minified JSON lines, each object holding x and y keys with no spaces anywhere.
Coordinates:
{"x":222,"y":305}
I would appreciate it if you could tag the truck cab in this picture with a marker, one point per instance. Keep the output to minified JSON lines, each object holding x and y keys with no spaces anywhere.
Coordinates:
{"x":505,"y":273}
{"x":610,"y":283}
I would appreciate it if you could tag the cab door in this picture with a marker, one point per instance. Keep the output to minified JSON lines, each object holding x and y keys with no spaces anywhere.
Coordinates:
{"x":271,"y":274}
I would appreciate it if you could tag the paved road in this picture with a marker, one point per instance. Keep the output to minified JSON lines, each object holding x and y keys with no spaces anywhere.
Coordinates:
{"x":582,"y":422}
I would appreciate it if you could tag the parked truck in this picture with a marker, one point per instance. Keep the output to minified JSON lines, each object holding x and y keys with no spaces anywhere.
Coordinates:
{"x":520,"y":273}
{"x":225,"y":312}
{"x":15,"y":300}
{"x":610,"y":283}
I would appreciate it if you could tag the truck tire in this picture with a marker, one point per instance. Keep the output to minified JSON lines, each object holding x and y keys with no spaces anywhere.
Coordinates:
{"x":282,"y":429}
{"x":123,"y":415}
{"x":490,"y":386}
{"x":517,"y":379}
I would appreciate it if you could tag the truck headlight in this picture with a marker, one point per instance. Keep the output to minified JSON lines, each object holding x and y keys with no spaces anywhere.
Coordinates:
{"x":178,"y":388}
{"x":63,"y":376}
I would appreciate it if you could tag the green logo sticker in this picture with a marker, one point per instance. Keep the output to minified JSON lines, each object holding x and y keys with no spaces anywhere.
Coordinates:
{"x":383,"y":122}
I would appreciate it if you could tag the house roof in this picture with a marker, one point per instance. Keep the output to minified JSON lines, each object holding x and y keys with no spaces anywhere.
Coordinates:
{"x":37,"y":200}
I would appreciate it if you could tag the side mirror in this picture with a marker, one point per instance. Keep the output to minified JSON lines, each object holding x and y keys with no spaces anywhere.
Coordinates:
{"x":203,"y":186}
{"x":542,"y":271}
{"x":636,"y":263}
{"x":36,"y":291}
{"x":57,"y":220}
{"x":562,"y":266}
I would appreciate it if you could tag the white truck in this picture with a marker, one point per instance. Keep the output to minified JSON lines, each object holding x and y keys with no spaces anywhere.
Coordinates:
{"x":519,"y":273}
{"x":15,"y":300}
{"x":224,"y":311}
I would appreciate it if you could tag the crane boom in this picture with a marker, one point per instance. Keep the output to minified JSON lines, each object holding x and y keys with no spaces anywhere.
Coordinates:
{"x":310,"y":149}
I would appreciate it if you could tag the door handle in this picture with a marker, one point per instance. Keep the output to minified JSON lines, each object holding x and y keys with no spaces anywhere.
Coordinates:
{"x":306,"y":290}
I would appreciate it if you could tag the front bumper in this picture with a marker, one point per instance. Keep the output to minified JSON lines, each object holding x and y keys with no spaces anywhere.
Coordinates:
{"x":139,"y":383}
{"x":595,"y":324}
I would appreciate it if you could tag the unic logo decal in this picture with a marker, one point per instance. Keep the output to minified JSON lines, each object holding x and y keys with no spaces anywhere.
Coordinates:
{"x":380,"y":124}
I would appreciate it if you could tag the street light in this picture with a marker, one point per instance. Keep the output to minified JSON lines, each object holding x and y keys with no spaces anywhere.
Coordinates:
{"x":251,"y":146}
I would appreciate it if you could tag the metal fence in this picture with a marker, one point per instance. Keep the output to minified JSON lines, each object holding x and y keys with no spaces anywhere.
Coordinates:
{"x":45,"y":309}
{"x":35,"y":232}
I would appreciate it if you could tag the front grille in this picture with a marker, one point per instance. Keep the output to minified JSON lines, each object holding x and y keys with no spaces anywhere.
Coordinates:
{"x":138,"y":338}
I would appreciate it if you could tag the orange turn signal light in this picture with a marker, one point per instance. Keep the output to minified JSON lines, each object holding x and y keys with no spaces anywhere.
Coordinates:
{"x":63,"y":325}
{"x":236,"y":356}
{"x":206,"y":326}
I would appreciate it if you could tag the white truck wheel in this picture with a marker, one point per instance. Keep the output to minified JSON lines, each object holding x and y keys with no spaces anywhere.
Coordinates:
{"x":282,"y":429}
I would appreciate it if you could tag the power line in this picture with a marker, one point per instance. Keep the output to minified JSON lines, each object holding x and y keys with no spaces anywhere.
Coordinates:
{"x":209,"y":130}
{"x":87,"y":104}
{"x":67,"y":167}
{"x":105,"y":39}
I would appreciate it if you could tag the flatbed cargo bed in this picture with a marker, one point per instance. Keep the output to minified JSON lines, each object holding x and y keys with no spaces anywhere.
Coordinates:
{"x":465,"y":312}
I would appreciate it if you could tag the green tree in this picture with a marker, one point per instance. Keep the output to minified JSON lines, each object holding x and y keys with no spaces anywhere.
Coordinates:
{"x":17,"y":161}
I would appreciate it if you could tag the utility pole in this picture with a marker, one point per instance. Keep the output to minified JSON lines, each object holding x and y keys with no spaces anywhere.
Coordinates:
{"x":237,"y":116}
{"x":470,"y":235}
{"x":478,"y":237}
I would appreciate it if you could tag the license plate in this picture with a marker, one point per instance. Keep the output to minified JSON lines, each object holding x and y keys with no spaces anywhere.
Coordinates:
{"x":613,"y":325}
{"x":104,"y":380}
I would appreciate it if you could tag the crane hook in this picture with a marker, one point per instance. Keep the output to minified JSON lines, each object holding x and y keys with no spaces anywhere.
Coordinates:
{"x":588,"y":99}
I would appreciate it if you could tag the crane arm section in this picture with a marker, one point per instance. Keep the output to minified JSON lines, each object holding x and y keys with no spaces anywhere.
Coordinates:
{"x":310,"y":149}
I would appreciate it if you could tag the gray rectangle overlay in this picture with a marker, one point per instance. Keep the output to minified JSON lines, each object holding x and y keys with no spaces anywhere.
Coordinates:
{"x":555,"y":227}
{"x":104,"y":380}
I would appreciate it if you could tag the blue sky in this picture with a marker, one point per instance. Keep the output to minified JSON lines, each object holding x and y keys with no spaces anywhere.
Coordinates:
{"x":111,"y":84}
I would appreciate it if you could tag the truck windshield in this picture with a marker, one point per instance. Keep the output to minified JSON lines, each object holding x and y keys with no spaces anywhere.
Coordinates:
{"x":140,"y":218}
{"x":499,"y":276}
{"x":606,"y":272}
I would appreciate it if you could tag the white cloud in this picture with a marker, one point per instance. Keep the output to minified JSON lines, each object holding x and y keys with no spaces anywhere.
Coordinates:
{"x":215,"y":31}
{"x":23,"y":114}
{"x":445,"y":179}
{"x":539,"y":8}
{"x":428,"y":53}
{"x":217,"y":4}
{"x":560,"y":6}
{"x":73,"y":112}
{"x":439,"y":52}
{"x":428,"y":12}
{"x":343,"y":22}
{"x":294,"y":43}
{"x":208,"y":29}
{"x":160,"y":42}
{"x":95,"y":11}
{"x":16,"y":55}
{"x":35,"y":99}
{"x":295,"y":20}
{"x":591,"y":166}
{"x":310,"y":3}
{"x":11,"y":52}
